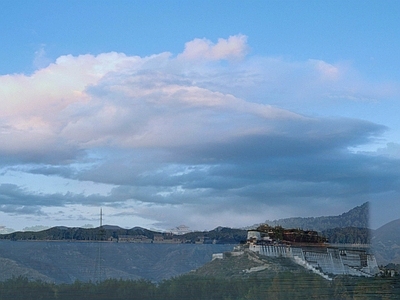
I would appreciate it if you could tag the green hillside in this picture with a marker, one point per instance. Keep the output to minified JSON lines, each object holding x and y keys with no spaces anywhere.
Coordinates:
{"x":219,"y":235}
{"x":246,"y":265}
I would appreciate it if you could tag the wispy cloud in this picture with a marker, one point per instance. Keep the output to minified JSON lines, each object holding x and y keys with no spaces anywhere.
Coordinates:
{"x":235,"y":47}
{"x":41,"y":60}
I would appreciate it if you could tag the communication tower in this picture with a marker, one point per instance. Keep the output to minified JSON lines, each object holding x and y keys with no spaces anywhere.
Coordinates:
{"x":99,"y":268}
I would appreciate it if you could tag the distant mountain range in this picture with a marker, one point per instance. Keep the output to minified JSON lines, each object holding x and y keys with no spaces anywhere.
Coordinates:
{"x":386,"y":243}
{"x":356,"y":217}
{"x":112,"y":233}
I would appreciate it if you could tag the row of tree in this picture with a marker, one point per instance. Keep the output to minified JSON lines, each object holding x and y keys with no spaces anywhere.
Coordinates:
{"x":348,"y":235}
{"x":281,"y":286}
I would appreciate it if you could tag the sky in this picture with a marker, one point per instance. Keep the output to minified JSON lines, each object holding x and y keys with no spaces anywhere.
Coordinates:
{"x":203,"y":113}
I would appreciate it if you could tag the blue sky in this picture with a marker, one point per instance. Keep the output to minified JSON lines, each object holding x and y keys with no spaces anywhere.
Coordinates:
{"x":202,"y":113}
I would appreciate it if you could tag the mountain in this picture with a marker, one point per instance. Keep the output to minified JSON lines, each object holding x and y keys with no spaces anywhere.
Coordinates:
{"x":76,"y":233}
{"x":386,"y":243}
{"x":348,"y":235}
{"x":10,"y":268}
{"x":219,"y":235}
{"x":66,"y":262}
{"x":113,"y":227}
{"x":356,"y":217}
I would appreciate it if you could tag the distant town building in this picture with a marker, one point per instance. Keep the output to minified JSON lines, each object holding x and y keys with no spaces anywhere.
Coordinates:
{"x":217,"y":256}
{"x":134,"y":239}
{"x":168,"y":239}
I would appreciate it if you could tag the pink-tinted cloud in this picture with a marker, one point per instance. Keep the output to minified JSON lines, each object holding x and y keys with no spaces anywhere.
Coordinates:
{"x":235,"y":47}
{"x":164,"y":130}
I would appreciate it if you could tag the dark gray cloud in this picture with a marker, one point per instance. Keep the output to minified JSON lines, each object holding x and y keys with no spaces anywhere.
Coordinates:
{"x":50,"y":170}
{"x":311,"y":162}
{"x":22,"y":210}
{"x":18,"y":199}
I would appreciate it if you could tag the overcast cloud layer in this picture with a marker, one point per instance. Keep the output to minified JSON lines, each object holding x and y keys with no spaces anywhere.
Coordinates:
{"x":202,"y":138}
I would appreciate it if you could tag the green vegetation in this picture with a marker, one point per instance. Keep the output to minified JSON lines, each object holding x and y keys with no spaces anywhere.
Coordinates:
{"x":348,"y":235}
{"x":239,"y":266}
{"x":220,"y":235}
{"x":75,"y":233}
{"x":281,"y":286}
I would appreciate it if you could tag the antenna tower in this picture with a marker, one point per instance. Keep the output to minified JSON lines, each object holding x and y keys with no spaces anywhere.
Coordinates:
{"x":101,"y":217}
{"x":99,"y":269}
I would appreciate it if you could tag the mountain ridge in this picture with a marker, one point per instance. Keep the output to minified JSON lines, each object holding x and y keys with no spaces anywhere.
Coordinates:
{"x":112,"y":233}
{"x":386,"y":243}
{"x":355,"y":217}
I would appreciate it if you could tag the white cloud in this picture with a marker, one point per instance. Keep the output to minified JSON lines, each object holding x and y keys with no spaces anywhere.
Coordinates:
{"x":326,"y":70}
{"x":235,"y":47}
{"x":88,"y":101}
{"x":114,"y":100}
{"x":36,"y":228}
{"x":391,"y":150}
{"x":163,"y":132}
{"x":41,"y":60}
{"x":5,"y":230}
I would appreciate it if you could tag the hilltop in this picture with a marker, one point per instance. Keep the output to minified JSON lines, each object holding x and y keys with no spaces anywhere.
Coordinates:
{"x":357,"y":217}
{"x":244,"y":264}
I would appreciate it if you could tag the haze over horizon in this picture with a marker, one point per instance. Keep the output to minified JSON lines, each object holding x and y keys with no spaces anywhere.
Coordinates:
{"x":197,"y":113}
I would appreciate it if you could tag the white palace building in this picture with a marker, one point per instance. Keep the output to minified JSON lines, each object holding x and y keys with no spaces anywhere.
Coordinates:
{"x":324,"y":259}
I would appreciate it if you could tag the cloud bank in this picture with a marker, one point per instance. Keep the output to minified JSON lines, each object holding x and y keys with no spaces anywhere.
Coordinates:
{"x":191,"y":138}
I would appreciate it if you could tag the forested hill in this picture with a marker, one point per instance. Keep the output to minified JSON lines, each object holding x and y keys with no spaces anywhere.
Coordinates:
{"x":219,"y":235}
{"x":348,"y":235}
{"x":79,"y":234}
{"x":356,"y":217}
